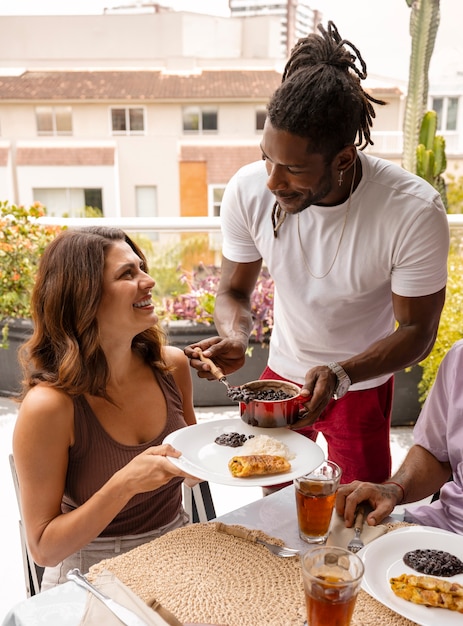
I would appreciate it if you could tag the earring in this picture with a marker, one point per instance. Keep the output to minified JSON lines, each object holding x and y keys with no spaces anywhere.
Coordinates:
{"x":340,"y":179}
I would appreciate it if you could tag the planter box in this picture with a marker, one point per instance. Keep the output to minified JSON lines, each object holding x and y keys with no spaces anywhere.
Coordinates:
{"x":405,"y":409}
{"x":405,"y":406}
{"x":10,"y":371}
{"x":211,"y":392}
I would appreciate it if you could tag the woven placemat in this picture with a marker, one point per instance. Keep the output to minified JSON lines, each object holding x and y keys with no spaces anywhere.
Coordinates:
{"x":201,"y":575}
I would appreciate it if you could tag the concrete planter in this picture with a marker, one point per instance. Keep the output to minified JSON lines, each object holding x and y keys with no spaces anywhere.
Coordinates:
{"x":406,"y":407}
{"x":405,"y":410}
{"x":10,"y":371}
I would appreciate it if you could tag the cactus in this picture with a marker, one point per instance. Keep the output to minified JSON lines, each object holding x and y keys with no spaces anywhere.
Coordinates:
{"x":431,"y":160}
{"x":424,"y":23}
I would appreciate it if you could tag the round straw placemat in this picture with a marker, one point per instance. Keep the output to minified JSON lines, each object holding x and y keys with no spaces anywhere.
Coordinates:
{"x":202,"y":575}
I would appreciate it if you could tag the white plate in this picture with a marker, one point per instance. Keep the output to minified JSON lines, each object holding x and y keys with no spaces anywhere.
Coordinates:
{"x":205,"y":459}
{"x":383,"y":560}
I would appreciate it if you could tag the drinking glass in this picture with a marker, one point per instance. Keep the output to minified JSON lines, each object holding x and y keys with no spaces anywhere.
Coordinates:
{"x":315,"y":496}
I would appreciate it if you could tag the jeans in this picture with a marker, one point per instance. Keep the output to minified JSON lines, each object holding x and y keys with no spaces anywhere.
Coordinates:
{"x":105,"y":548}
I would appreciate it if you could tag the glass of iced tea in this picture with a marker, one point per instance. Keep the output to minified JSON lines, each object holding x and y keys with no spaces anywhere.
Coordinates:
{"x":315,"y":496}
{"x":332,"y":578}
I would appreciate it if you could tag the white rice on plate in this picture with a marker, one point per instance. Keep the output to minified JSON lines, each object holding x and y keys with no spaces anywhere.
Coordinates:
{"x":263,"y":444}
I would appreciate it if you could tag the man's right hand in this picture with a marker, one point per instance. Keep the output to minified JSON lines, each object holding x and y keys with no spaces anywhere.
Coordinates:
{"x":228,"y":355}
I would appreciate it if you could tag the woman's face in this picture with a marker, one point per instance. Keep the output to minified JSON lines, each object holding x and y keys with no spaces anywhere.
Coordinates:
{"x":126,"y":306}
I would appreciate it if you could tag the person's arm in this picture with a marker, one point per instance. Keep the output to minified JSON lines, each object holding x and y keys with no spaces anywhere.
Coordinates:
{"x":419,"y":476}
{"x":232,"y":317}
{"x":417,"y":324}
{"x":43,"y":434}
{"x":182,"y":376}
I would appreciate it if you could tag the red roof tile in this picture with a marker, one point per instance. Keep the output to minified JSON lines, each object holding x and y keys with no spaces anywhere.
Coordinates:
{"x":64,"y":156}
{"x":139,"y":85}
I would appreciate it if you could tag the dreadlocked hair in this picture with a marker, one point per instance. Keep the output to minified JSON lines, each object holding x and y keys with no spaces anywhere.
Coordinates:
{"x":320,"y":97}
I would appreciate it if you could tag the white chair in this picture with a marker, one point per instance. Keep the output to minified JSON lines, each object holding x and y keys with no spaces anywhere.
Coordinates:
{"x":32,"y":572}
{"x":197,"y":502}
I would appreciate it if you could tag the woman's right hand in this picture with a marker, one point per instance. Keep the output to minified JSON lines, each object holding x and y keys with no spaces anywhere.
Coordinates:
{"x":151,"y":469}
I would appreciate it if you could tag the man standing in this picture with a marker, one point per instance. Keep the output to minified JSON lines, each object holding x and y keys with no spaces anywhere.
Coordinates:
{"x":357,"y":248}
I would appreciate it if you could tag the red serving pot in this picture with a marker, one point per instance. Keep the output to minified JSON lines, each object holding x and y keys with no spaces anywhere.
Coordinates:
{"x":272,"y":413}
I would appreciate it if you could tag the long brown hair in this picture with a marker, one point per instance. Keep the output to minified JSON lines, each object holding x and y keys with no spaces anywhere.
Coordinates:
{"x":64,"y":350}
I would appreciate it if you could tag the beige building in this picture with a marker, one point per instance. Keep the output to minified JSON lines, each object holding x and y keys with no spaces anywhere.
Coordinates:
{"x":142,"y":115}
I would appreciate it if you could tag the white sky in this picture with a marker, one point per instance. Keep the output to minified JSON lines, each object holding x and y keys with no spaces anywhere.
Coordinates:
{"x":378,"y":28}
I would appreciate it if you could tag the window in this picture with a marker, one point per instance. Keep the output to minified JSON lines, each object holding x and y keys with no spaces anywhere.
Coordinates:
{"x":447,"y":113}
{"x":200,"y":120}
{"x":128,"y":121}
{"x":215,"y":199}
{"x":69,"y":202}
{"x":261,"y":115}
{"x":54,"y":120}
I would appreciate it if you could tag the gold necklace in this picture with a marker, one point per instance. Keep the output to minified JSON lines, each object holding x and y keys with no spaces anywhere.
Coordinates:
{"x":340,"y":239}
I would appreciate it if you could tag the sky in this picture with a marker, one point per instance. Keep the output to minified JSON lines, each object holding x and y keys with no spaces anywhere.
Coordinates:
{"x":378,"y":28}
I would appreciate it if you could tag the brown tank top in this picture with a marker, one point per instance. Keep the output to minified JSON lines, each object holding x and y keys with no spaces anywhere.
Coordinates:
{"x":95,"y":457}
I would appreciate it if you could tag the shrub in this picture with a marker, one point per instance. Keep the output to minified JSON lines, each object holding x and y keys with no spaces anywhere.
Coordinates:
{"x":22,"y":241}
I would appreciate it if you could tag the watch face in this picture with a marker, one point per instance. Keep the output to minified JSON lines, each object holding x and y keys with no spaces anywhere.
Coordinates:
{"x":342,"y":389}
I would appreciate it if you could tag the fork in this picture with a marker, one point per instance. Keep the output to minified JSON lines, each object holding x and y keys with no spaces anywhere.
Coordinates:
{"x":279,"y":550}
{"x":356,"y":543}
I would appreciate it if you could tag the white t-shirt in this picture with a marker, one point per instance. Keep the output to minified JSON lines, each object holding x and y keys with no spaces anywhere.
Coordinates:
{"x":439,"y":430}
{"x":396,"y":239}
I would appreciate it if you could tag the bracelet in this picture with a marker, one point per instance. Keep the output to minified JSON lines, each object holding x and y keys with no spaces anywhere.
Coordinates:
{"x":391,"y":482}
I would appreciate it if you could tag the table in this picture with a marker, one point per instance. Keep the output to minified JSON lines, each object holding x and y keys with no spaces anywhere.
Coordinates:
{"x":275,"y":515}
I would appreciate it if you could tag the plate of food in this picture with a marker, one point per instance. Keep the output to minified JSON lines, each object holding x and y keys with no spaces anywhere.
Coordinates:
{"x":416,"y":564}
{"x":230,"y":452}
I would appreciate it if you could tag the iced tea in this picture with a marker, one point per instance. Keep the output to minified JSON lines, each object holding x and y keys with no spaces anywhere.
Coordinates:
{"x":315,"y":496}
{"x":332,"y":578}
{"x":329,"y":603}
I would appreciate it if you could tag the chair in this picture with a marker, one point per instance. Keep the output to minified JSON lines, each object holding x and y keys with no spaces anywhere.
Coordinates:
{"x":197,"y":502}
{"x":32,"y":572}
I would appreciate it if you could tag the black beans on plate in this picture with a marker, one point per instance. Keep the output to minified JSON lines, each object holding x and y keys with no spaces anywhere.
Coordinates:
{"x":434,"y":562}
{"x":233,"y":440}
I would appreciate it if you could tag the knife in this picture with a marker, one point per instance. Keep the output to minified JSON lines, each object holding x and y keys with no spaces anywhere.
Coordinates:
{"x":127,"y":617}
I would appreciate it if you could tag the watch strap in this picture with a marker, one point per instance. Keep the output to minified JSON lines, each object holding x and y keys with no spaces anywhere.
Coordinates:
{"x":344,"y":382}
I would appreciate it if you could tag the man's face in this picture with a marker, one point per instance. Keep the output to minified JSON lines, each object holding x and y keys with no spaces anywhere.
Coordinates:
{"x":296,"y":177}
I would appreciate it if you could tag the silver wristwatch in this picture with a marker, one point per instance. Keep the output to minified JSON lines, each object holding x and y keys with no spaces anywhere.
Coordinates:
{"x":344,"y":382}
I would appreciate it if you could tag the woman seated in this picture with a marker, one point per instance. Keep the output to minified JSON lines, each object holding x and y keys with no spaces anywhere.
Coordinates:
{"x":101,"y":391}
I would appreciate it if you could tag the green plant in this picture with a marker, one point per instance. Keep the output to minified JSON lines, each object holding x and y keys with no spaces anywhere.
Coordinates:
{"x":454,"y":193}
{"x":22,"y":241}
{"x":195,"y":300}
{"x":450,"y":327}
{"x":431,"y":160}
{"x":424,"y":23}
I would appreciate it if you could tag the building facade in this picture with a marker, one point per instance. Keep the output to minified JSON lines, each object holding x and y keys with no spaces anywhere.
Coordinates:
{"x":147,"y":118}
{"x":297,"y":18}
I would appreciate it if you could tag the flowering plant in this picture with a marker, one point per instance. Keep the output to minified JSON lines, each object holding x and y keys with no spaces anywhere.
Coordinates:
{"x":197,"y":304}
{"x":22,"y":241}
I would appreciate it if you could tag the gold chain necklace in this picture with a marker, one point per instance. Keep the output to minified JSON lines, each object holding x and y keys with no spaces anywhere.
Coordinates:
{"x":340,"y":239}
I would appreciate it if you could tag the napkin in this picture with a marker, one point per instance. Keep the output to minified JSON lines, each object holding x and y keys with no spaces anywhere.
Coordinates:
{"x":96,"y":612}
{"x":340,"y":535}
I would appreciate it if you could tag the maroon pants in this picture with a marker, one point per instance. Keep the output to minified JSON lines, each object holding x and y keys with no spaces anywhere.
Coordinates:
{"x":357,"y":431}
